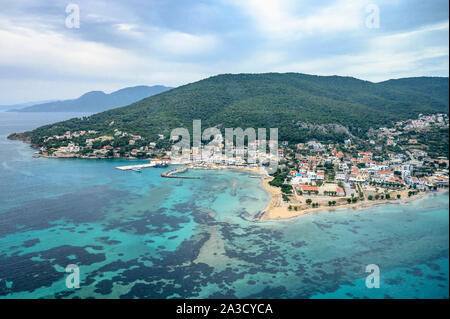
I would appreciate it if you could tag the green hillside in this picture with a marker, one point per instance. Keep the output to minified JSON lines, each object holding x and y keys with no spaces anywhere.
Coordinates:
{"x":290,"y":102}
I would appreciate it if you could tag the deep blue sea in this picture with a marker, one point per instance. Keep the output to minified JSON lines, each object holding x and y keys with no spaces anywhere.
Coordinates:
{"x":136,"y":235}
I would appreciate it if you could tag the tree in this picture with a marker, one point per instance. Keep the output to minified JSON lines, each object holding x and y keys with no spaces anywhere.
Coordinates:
{"x":308,"y":201}
{"x":349,"y":200}
{"x":370,"y":197}
{"x":399,"y":196}
{"x":286,"y":188}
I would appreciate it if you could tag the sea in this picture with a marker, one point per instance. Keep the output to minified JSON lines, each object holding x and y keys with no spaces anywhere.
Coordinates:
{"x":137,"y":235}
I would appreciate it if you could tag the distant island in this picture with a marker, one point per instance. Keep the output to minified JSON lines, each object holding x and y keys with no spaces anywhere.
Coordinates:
{"x":17,"y":107}
{"x":95,"y":101}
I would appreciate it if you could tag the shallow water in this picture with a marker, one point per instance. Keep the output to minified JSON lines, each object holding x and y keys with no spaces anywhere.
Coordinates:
{"x":138,"y":235}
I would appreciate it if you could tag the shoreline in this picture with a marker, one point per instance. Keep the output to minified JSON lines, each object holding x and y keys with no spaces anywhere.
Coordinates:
{"x":277,"y":209}
{"x":254,"y":170}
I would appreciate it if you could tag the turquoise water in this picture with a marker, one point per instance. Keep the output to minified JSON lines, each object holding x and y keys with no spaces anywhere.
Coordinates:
{"x":140,"y":236}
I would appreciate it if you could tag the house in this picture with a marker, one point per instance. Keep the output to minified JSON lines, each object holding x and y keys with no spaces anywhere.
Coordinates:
{"x":391,"y":142}
{"x":309,"y":189}
{"x":340,"y":191}
{"x":413,"y":181}
{"x":365,"y":154}
{"x":293,"y":173}
{"x":385,"y":174}
{"x":320,"y":175}
{"x":312,"y":175}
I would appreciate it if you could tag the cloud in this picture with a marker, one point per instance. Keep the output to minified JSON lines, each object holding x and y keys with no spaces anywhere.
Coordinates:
{"x":37,"y":58}
{"x":40,"y":48}
{"x":172,"y":43}
{"x":400,"y":54}
{"x":179,"y":43}
{"x":290,"y":19}
{"x":125,"y":27}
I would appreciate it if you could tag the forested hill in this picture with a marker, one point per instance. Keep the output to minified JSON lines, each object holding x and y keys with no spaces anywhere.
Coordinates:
{"x":301,"y":106}
{"x":98,"y":101}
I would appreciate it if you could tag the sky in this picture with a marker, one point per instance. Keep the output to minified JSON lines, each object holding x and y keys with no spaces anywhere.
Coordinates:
{"x":43,"y":55}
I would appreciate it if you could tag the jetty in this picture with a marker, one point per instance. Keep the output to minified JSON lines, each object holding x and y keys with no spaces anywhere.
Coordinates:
{"x":135,"y":167}
{"x":170,"y":174}
{"x":159,"y":162}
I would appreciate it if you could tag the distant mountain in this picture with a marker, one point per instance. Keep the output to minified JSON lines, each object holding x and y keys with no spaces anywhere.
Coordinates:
{"x":98,"y":101}
{"x":22,"y":105}
{"x":301,"y":106}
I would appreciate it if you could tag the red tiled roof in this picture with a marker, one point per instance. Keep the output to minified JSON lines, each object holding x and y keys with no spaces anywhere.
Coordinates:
{"x":310,"y":188}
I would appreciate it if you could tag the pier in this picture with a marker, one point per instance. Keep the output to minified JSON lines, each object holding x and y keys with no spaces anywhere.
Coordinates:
{"x":132,"y":167}
{"x":153,"y":163}
{"x":170,"y":174}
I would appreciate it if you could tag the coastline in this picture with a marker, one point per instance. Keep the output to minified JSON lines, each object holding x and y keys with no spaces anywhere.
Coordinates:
{"x":277,"y":209}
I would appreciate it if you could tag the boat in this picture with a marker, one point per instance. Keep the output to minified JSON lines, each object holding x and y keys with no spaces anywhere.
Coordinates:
{"x":138,"y":170}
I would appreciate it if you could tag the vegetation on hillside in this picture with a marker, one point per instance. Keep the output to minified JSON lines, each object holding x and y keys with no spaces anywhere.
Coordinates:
{"x":301,"y":106}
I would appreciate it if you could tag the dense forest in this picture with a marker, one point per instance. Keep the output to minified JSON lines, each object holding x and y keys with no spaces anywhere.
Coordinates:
{"x":301,"y":106}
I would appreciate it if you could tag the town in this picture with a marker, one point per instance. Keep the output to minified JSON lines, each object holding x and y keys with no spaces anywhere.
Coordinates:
{"x":392,"y":163}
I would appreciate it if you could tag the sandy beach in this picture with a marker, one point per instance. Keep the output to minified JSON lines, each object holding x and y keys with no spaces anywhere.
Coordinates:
{"x":278,"y":209}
